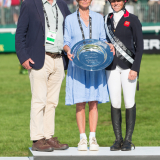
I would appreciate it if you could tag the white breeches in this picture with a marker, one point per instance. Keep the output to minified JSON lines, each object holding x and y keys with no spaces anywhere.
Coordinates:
{"x":117,"y":78}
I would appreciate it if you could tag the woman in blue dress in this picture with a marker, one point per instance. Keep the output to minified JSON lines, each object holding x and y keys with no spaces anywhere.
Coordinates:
{"x":85,"y":86}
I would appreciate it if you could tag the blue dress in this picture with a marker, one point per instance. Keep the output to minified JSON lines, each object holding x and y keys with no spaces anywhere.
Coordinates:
{"x":82,"y":85}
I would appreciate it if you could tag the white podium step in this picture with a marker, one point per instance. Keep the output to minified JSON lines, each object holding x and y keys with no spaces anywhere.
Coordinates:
{"x":14,"y":158}
{"x":104,"y":153}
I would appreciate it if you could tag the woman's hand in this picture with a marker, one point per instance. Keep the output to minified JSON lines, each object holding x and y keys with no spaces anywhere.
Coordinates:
{"x":68,"y":51}
{"x":132,"y":75}
{"x":69,"y":55}
{"x":111,"y":47}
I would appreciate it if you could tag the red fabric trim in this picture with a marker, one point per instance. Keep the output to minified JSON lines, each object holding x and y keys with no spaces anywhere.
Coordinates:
{"x":126,"y":14}
{"x":111,"y":16}
{"x":15,"y":2}
{"x":126,"y":23}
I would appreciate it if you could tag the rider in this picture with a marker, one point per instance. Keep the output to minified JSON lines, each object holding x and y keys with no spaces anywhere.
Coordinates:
{"x":124,"y":31}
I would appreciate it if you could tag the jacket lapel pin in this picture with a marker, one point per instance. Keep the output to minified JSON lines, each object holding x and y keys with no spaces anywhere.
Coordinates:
{"x":126,"y":23}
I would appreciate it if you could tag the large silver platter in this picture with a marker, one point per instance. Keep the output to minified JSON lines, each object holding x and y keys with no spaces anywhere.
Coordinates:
{"x":92,"y":54}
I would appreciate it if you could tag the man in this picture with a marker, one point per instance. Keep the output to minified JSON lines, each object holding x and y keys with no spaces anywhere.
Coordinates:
{"x":39,"y":44}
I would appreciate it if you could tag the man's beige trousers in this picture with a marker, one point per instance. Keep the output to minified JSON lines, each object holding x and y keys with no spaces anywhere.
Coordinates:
{"x":45,"y":88}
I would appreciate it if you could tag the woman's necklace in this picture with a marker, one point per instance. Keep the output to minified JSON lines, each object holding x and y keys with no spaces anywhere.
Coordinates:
{"x":85,"y":14}
{"x":85,"y":19}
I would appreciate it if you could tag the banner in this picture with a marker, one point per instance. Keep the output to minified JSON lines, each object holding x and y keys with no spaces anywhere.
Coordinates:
{"x":151,"y":43}
{"x":7,"y":42}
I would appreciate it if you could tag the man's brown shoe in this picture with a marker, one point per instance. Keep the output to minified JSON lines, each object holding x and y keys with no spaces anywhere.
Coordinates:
{"x":53,"y":142}
{"x":42,"y":146}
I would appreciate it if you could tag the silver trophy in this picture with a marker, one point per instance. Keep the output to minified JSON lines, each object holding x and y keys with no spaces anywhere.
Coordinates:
{"x":92,"y":54}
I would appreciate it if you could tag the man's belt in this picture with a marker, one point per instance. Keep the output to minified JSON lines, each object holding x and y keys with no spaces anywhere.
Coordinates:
{"x":54,"y":55}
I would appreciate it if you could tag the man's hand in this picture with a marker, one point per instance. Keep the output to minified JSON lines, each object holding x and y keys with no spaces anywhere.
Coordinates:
{"x":26,"y":64}
{"x":111,"y":47}
{"x":132,"y":75}
{"x":69,"y":55}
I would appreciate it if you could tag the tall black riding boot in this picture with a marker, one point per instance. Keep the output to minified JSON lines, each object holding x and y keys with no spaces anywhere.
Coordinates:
{"x":116,"y":122}
{"x":130,"y":123}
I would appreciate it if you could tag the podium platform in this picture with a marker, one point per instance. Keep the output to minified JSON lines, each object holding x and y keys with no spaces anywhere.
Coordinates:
{"x":104,"y":153}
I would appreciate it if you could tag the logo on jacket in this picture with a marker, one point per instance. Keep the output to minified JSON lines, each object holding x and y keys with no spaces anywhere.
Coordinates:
{"x":126,"y":23}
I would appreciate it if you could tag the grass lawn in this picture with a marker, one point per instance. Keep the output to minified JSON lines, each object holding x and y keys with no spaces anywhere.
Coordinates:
{"x":15,"y":97}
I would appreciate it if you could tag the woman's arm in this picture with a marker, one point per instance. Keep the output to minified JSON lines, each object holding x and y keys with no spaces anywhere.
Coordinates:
{"x":67,"y":38}
{"x":111,"y":47}
{"x":138,"y":40}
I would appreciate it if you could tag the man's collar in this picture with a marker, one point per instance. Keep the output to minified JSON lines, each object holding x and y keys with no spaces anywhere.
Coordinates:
{"x":44,"y":1}
{"x":54,"y":2}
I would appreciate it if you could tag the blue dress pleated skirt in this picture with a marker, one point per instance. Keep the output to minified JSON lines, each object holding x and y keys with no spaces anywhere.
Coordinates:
{"x":85,"y":86}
